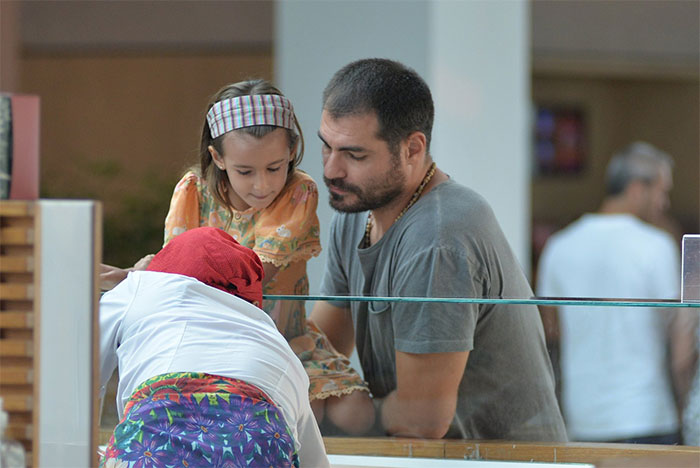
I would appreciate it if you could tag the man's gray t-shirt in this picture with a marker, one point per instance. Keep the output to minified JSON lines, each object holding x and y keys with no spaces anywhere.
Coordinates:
{"x":449,"y":244}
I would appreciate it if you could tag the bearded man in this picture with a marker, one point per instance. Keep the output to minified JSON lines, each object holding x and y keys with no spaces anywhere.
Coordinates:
{"x":404,"y":228}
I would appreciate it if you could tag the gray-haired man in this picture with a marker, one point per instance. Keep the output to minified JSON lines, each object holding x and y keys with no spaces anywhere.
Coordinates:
{"x":615,"y":384}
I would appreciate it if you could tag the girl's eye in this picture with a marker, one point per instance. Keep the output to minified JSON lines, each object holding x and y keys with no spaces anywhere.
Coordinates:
{"x":244,"y":172}
{"x":274,"y":169}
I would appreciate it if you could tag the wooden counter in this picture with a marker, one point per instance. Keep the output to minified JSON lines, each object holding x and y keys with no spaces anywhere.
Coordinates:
{"x":602,"y":455}
{"x":599,"y":454}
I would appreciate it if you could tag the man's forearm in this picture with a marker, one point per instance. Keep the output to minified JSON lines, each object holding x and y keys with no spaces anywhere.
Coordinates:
{"x":426,"y":419}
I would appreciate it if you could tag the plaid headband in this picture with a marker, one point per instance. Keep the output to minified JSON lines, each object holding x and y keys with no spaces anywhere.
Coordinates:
{"x":247,"y":111}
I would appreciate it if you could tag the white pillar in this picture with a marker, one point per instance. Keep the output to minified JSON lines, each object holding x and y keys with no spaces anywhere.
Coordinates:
{"x":479,"y":73}
{"x":70,"y":246}
{"x":473,"y":54}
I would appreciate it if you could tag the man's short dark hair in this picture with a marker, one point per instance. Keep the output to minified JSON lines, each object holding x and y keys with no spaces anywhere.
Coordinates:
{"x":395,"y":93}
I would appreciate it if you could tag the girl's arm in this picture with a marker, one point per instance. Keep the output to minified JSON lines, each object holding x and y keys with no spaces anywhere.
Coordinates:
{"x":270,"y":272}
{"x":110,"y":276}
{"x":184,"y":211}
{"x":288,"y":231}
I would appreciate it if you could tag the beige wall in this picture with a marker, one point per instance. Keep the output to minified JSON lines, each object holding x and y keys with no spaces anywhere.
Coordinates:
{"x":122,"y":105}
{"x":640,"y":31}
{"x":121,"y":129}
{"x":662,"y":111}
{"x":9,"y":45}
{"x":59,"y":25}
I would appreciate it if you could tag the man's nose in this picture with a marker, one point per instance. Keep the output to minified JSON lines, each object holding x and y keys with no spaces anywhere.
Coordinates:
{"x":332,"y":166}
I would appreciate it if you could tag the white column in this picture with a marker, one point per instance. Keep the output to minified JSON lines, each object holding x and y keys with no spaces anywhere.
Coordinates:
{"x":474,"y":56}
{"x":479,"y":73}
{"x":66,"y":324}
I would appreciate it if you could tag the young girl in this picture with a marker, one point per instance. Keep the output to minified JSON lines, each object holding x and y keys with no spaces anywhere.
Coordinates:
{"x":248,"y":184}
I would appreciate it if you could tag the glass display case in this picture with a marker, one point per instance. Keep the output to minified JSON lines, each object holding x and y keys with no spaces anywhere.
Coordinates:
{"x":663,"y":313}
{"x":375,"y":443}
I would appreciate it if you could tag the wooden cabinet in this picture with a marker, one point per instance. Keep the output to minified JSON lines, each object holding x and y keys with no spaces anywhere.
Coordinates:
{"x":49,"y":252}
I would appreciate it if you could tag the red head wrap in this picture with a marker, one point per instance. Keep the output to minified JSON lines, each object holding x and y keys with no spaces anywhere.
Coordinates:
{"x":215,"y":258}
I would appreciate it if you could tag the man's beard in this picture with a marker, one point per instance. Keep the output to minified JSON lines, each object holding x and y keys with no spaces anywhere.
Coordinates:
{"x":380,"y":192}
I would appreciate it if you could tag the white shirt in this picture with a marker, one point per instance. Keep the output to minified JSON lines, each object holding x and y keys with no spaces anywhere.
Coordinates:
{"x":155,"y":323}
{"x":615,"y":377}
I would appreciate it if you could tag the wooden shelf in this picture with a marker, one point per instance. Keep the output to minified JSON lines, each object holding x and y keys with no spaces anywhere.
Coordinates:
{"x":19,"y":432}
{"x":46,"y":323}
{"x":18,"y":278}
{"x":16,"y":292}
{"x":20,"y":402}
{"x":16,"y":264}
{"x":16,"y":208}
{"x":16,"y":348}
{"x":12,"y":319}
{"x":16,"y":236}
{"x":16,"y":375}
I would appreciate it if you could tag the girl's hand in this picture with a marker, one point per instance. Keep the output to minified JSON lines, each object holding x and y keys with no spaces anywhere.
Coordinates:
{"x":110,"y":276}
{"x":143,"y":263}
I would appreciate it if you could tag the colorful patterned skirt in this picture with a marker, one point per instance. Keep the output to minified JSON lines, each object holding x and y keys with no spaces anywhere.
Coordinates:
{"x":189,"y":419}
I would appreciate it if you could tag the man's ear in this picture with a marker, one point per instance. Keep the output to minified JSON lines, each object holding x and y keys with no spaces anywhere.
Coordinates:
{"x":636,"y":197}
{"x":635,"y":189}
{"x":416,"y":144}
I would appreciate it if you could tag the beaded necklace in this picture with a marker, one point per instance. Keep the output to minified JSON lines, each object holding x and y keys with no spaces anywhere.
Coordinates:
{"x":411,"y":202}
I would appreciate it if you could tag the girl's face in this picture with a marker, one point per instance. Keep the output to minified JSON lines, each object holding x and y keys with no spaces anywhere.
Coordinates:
{"x":256,"y":167}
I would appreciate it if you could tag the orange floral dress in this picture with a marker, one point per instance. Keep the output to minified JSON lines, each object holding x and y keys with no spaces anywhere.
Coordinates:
{"x":286,"y":234}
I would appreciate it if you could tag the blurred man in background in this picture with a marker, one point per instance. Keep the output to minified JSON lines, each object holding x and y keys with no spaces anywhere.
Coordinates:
{"x":615,"y":360}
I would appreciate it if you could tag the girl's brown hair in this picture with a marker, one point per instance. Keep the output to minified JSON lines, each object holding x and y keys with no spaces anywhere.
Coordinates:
{"x":215,"y":178}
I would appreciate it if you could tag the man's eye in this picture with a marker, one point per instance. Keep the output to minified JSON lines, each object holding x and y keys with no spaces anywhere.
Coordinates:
{"x":356,"y":157}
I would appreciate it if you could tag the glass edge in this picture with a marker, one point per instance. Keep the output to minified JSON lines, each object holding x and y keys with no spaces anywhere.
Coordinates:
{"x":545,"y":301}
